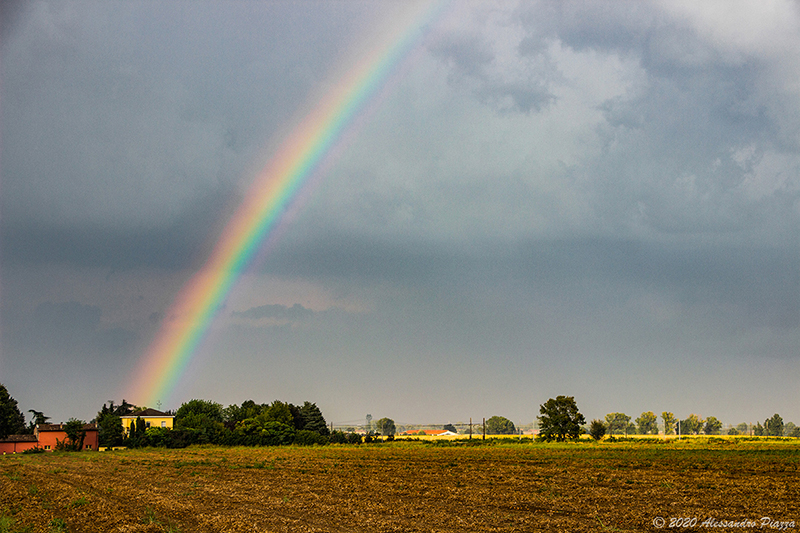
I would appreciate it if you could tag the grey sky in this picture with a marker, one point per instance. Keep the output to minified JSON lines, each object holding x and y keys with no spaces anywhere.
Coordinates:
{"x":598,"y":199}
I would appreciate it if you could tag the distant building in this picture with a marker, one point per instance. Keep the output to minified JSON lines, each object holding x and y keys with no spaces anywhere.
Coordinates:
{"x":47,"y":437}
{"x":151,"y":417}
{"x":430,"y":432}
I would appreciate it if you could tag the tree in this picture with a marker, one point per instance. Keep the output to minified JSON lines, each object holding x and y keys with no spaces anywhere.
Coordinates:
{"x":12,"y":421}
{"x":733,"y":431}
{"x":311,"y":419}
{"x":500,"y":425}
{"x":450,"y":427}
{"x":560,"y":419}
{"x":203,"y":420}
{"x":742,"y":428}
{"x":75,"y":435}
{"x":38,"y":418}
{"x":597,"y":429}
{"x":617,"y":423}
{"x":647,"y":423}
{"x":759,"y":430}
{"x":789,"y":429}
{"x":669,"y":422}
{"x":110,"y":432}
{"x":386,"y":427}
{"x":692,"y":425}
{"x":712,"y":426}
{"x":774,"y":426}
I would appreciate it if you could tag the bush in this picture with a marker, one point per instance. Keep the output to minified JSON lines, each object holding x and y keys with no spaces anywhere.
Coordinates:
{"x":597,"y":429}
{"x":305,"y":437}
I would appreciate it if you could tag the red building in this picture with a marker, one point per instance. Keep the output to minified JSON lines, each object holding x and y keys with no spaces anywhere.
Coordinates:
{"x":47,"y":436}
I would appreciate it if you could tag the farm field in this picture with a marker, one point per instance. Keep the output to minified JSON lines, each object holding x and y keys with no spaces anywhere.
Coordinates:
{"x":405,"y":486}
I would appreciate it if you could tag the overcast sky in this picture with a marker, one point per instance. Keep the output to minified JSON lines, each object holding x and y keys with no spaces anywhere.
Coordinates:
{"x":595,"y":199}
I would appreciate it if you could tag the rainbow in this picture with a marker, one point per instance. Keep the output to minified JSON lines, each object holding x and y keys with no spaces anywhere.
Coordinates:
{"x":305,"y":153}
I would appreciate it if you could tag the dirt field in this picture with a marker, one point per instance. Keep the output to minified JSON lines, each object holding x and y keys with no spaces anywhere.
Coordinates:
{"x":403,"y":487}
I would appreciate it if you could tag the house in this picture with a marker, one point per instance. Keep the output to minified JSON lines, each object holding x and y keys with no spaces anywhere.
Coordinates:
{"x":18,"y":443}
{"x":151,"y":417}
{"x":47,"y":437}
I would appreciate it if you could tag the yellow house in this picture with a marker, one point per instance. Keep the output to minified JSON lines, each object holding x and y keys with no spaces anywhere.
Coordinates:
{"x":151,"y":417}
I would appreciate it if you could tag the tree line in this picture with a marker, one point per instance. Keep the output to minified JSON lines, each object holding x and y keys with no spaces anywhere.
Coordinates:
{"x":647,"y":424}
{"x":207,"y":422}
{"x":279,"y":423}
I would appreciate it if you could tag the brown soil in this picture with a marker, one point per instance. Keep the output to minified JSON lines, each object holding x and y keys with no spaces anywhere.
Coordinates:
{"x":400,"y":487}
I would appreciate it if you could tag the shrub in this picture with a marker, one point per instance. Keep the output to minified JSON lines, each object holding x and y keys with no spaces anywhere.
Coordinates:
{"x":305,"y":437}
{"x":597,"y":429}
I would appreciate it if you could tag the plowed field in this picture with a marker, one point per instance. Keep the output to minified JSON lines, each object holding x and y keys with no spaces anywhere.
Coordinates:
{"x":403,"y":487}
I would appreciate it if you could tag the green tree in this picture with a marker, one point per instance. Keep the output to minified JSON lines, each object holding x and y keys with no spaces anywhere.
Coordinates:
{"x":774,"y":426}
{"x":281,"y":412}
{"x":500,"y":425}
{"x":743,"y":428}
{"x":759,"y":430}
{"x":38,"y":418}
{"x":75,"y":434}
{"x":617,"y":423}
{"x":12,"y":421}
{"x":669,"y":422}
{"x":692,"y":425}
{"x":788,"y":429}
{"x":311,"y":419}
{"x":203,"y":420}
{"x":560,"y":419}
{"x":733,"y":431}
{"x":712,"y":426}
{"x":450,"y":427}
{"x":386,"y":427}
{"x":110,"y":432}
{"x":647,"y":423}
{"x":597,"y":429}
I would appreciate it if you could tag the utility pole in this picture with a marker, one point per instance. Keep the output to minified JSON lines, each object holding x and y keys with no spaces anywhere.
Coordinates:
{"x":484,"y":428}
{"x":470,"y":428}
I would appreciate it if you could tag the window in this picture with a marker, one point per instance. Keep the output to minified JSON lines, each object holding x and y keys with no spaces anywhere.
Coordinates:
{"x":88,"y":446}
{"x":147,"y":424}
{"x":47,"y":447}
{"x":163,"y":423}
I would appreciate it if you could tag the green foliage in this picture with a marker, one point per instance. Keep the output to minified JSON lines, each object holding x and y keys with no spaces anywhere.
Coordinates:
{"x":712,"y":426}
{"x":203,"y":421}
{"x":597,"y":429}
{"x":12,"y":422}
{"x":75,"y":436}
{"x":279,"y":412}
{"x":774,"y":426}
{"x":311,"y":419}
{"x":450,"y":427}
{"x":669,"y":422}
{"x":305,"y":437}
{"x":560,"y":419}
{"x":57,"y":525}
{"x":691,"y":426}
{"x":500,"y":425}
{"x":647,"y":423}
{"x":617,"y":423}
{"x":195,"y":413}
{"x":110,"y":431}
{"x":385,"y":426}
{"x":759,"y":430}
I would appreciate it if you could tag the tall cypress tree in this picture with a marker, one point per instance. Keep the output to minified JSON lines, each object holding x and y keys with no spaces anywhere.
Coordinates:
{"x":12,"y":421}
